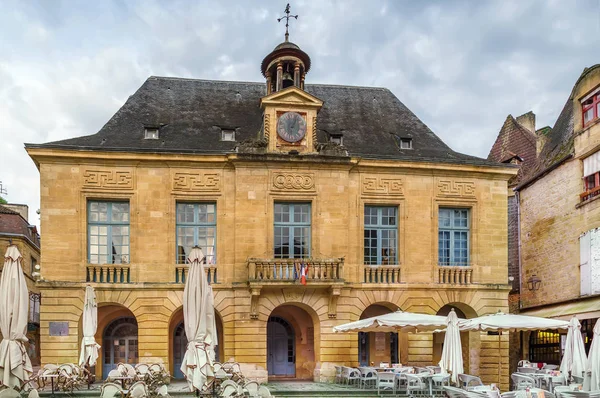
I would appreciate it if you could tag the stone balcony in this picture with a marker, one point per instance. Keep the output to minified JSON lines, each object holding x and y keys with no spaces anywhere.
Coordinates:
{"x":108,"y":273}
{"x":455,"y":274}
{"x":181,"y":272}
{"x":286,"y":272}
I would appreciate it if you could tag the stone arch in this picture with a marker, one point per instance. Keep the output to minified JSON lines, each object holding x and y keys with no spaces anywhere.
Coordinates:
{"x":176,"y":320}
{"x":470,"y":341}
{"x":107,"y":314}
{"x":306,"y":325}
{"x":377,"y":347}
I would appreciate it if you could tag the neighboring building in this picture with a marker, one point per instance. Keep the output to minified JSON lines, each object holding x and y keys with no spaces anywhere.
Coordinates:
{"x":16,"y":230}
{"x":558,"y":220}
{"x":267,"y":178}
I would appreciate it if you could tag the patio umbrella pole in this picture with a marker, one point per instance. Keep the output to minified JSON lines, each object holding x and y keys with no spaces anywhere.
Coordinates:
{"x":499,"y":358}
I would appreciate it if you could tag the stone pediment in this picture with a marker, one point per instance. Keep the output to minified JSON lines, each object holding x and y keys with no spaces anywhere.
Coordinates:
{"x":291,"y":96}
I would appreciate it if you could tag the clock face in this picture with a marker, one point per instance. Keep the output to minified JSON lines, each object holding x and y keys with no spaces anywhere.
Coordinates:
{"x":291,"y":127}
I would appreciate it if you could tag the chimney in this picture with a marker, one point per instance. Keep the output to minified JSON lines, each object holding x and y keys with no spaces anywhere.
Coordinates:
{"x":23,"y":210}
{"x":541,"y":137}
{"x":527,"y":121}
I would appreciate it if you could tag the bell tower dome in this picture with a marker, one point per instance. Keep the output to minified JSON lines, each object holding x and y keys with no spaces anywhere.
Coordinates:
{"x":287,"y":64}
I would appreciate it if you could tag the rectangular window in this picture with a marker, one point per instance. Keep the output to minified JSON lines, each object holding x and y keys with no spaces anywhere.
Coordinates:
{"x":151,"y":133}
{"x":453,"y":236}
{"x":591,"y":109}
{"x":405,"y":143}
{"x":196,"y":226}
{"x":591,"y":177}
{"x":227,"y":135}
{"x":108,"y":232}
{"x":381,"y":235}
{"x":292,"y":230}
{"x":33,"y":264}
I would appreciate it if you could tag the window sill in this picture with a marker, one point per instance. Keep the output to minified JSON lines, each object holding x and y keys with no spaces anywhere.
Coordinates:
{"x":587,"y":201}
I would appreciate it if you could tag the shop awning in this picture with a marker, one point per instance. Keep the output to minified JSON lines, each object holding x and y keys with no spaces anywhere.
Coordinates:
{"x":584,"y":309}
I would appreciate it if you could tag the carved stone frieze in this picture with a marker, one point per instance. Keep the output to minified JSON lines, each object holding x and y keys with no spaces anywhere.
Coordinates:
{"x":450,"y":188}
{"x":334,"y":295}
{"x":381,"y":185}
{"x":288,"y":181}
{"x":197,"y":182}
{"x":314,"y":132}
{"x":108,"y":179}
{"x":267,"y":126}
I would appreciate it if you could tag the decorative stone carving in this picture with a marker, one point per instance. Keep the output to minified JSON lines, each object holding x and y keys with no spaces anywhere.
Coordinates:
{"x":267,"y":126}
{"x":333,"y":299}
{"x":388,"y":186}
{"x":292,"y":295}
{"x":197,"y":182}
{"x":254,"y":303}
{"x":314,"y":133}
{"x":108,"y":179}
{"x":455,"y":189}
{"x":284,"y":181}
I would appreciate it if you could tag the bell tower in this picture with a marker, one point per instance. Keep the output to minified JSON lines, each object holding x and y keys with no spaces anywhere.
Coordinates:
{"x":290,"y":113}
{"x":287,"y":64}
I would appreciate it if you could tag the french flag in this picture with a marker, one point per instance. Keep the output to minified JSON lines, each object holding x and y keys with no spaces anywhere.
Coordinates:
{"x":303,"y":273}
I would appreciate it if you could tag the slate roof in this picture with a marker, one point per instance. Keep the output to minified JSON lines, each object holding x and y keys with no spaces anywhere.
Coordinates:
{"x":515,"y":141}
{"x":6,"y":210}
{"x":12,"y":223}
{"x":192,"y":113}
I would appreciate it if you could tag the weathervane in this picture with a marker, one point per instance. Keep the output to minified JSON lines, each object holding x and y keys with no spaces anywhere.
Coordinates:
{"x":287,"y":20}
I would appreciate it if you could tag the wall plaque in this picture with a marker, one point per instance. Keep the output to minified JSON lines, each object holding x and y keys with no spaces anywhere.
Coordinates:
{"x":59,"y":328}
{"x":380,"y":185}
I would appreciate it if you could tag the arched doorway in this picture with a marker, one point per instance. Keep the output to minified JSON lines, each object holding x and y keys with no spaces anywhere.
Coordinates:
{"x":281,"y":348}
{"x":178,"y":342}
{"x":467,"y":339}
{"x":293,"y":342}
{"x":377,"y":347}
{"x":120,"y":340}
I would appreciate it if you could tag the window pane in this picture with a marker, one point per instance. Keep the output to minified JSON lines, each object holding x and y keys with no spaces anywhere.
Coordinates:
{"x":453,"y":237}
{"x":291,"y":230}
{"x":108,"y":240}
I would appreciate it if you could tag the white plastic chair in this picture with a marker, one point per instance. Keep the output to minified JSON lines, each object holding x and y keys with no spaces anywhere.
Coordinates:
{"x":251,"y":388}
{"x":350,"y":375}
{"x":415,"y":385}
{"x":386,"y":381}
{"x":526,"y":370}
{"x":368,"y":378}
{"x":439,"y":381}
{"x":110,"y":390}
{"x":521,"y":382}
{"x":263,"y":392}
{"x":434,"y":369}
{"x":453,"y":392}
{"x":466,"y":381}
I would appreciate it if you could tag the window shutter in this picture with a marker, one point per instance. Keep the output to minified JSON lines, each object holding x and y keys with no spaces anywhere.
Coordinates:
{"x":591,"y":164}
{"x":595,"y":260}
{"x":584,"y":264}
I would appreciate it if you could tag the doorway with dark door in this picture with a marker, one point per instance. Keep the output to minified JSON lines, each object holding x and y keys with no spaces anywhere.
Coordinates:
{"x":120,"y":344}
{"x":281,"y":348}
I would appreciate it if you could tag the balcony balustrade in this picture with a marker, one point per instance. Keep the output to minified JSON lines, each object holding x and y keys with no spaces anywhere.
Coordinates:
{"x":181,"y":272}
{"x":108,"y":273}
{"x":382,"y":274}
{"x":288,"y":271}
{"x":455,"y":275}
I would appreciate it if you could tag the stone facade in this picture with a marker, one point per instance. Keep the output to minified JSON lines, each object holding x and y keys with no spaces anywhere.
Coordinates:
{"x":245,"y":192}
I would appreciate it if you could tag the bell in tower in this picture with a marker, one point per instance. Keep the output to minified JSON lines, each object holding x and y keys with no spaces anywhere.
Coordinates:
{"x":287,"y":64}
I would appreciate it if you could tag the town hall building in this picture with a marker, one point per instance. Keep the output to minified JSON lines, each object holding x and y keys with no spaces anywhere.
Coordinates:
{"x":269,"y":178}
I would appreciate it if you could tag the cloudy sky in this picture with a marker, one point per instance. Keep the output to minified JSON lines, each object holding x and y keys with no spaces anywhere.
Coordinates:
{"x":460,"y":66}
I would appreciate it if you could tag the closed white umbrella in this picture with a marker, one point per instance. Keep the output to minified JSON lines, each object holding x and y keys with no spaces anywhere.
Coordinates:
{"x":593,"y":362}
{"x":574,"y":359}
{"x":394,"y":322}
{"x":89,"y":347}
{"x":200,"y":324}
{"x":452,"y":359}
{"x":15,"y":366}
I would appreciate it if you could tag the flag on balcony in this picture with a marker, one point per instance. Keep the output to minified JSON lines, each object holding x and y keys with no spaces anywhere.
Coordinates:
{"x":303,"y":273}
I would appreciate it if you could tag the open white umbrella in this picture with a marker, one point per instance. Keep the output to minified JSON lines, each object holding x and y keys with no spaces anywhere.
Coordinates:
{"x":452,"y":360}
{"x":15,"y":366}
{"x":593,"y":362}
{"x":394,"y":322}
{"x":200,"y":325}
{"x":89,"y":347}
{"x":502,"y":322}
{"x":574,"y":359}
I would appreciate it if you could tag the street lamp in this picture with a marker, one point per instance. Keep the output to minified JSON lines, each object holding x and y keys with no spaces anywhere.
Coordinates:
{"x":533,"y":283}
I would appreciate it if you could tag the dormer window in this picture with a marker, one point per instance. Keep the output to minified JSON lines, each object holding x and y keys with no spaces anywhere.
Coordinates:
{"x":227,"y":135}
{"x":151,"y":133}
{"x":406,"y":143}
{"x":590,"y":106}
{"x":337,"y":139}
